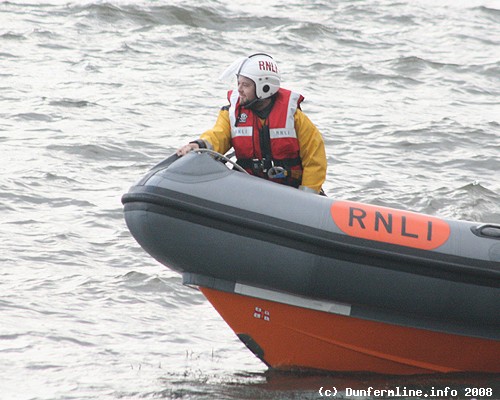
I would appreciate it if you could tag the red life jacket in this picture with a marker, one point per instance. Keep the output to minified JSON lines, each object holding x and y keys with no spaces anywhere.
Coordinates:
{"x":250,"y":139}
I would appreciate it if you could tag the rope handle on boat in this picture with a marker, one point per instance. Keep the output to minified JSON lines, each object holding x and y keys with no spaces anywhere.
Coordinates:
{"x":221,"y":157}
{"x":487,"y":230}
{"x":273,"y":173}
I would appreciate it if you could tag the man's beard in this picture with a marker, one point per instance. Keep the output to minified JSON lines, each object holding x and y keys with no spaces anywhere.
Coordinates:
{"x":250,"y":103}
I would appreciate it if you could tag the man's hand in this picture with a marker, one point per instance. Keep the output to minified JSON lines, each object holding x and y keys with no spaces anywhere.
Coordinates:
{"x":182,"y":151}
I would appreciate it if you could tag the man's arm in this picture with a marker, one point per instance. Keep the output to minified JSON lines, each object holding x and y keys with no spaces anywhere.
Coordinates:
{"x":312,"y":152}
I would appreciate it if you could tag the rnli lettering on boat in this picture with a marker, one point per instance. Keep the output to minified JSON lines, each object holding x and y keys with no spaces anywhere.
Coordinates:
{"x":390,"y":225}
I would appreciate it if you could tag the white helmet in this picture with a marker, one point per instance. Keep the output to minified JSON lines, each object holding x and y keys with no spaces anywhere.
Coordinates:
{"x":260,"y":68}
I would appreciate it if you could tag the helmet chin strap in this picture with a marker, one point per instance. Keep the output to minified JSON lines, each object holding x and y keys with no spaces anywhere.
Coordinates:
{"x":250,"y":104}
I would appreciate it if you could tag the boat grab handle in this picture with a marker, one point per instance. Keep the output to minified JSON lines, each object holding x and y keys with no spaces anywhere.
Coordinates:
{"x":221,"y":157}
{"x":487,"y":230}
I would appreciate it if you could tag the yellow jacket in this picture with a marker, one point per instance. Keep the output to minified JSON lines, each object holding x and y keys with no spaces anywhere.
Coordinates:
{"x":312,"y":147}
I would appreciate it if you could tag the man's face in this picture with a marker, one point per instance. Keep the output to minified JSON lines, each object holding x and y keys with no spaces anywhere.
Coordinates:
{"x":246,"y":90}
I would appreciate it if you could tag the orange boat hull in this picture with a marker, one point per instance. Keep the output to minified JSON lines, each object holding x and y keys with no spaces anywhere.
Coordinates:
{"x":289,"y":337}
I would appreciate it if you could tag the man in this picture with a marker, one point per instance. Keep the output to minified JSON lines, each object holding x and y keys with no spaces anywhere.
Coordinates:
{"x":271,"y":136}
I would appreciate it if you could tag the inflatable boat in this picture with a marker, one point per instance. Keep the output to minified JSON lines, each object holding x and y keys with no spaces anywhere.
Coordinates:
{"x":308,"y":282}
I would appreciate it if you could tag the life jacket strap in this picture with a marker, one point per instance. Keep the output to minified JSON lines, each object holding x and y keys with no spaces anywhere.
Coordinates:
{"x":258,"y":165}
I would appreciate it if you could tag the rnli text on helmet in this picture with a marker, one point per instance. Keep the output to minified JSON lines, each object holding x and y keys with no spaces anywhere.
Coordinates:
{"x":268,"y":66}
